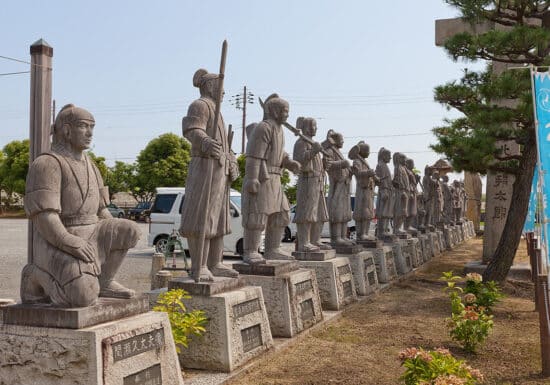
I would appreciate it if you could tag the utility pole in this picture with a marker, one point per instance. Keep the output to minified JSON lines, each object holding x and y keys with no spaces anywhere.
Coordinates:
{"x":240,"y":101}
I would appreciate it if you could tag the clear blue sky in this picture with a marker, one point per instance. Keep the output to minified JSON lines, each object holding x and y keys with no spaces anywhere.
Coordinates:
{"x":364,"y":68}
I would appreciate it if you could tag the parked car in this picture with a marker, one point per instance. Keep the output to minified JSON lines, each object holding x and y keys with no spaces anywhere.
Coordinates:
{"x":290,"y":230}
{"x":115,"y":211}
{"x":140,"y":211}
{"x":166,"y":216}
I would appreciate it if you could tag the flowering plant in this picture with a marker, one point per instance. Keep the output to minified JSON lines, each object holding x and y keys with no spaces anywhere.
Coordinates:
{"x":436,"y":367}
{"x":486,"y":293}
{"x":470,"y":322}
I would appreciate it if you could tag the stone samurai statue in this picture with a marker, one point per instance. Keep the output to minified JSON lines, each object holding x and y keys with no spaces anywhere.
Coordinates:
{"x":364,"y":196}
{"x":205,"y":212}
{"x":264,"y":203}
{"x":77,"y":245}
{"x":311,"y":208}
{"x":339,"y":174}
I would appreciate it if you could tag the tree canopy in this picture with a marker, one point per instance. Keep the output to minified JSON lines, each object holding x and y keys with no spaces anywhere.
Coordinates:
{"x":14,"y":165}
{"x":496,"y":103}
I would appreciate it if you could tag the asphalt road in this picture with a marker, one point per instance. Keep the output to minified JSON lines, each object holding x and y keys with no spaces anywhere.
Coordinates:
{"x":134,"y":272}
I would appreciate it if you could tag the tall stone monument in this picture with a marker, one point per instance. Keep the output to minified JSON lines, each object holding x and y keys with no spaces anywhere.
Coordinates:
{"x":473,"y":187}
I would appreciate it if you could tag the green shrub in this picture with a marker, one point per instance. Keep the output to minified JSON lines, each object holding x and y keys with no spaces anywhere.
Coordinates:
{"x":487,"y":293}
{"x":436,"y":367}
{"x":183,"y":323}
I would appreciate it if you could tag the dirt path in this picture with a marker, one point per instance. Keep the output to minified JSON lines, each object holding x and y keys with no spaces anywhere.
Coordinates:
{"x":362,"y":346}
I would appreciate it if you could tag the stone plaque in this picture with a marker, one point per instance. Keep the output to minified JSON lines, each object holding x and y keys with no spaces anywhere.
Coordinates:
{"x":137,"y":344}
{"x":371,"y":278}
{"x":348,"y":289}
{"x":344,"y":269}
{"x":244,"y":308}
{"x":149,"y":376}
{"x":307,"y":310}
{"x":251,"y":337}
{"x":304,"y":286}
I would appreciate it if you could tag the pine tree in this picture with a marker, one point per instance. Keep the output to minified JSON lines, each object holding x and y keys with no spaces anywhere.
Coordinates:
{"x":496,"y":105}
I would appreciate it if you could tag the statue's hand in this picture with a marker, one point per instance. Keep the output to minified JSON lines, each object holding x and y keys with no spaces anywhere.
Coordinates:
{"x":86,"y":252}
{"x":316,"y":147}
{"x":252,"y":186}
{"x":293,"y":166}
{"x":211,"y":147}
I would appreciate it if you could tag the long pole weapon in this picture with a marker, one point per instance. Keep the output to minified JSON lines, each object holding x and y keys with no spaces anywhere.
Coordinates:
{"x":220,"y":89}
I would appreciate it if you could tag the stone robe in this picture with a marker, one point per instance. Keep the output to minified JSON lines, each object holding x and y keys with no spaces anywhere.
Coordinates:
{"x":384,"y":204}
{"x":412,"y":206}
{"x":76,"y":192}
{"x":339,"y":195}
{"x":205,"y":209}
{"x":401,"y":191}
{"x":364,"y":193}
{"x":266,"y":143}
{"x":310,"y":193}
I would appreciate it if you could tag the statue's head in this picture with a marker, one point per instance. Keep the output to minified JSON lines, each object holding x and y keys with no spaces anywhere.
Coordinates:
{"x":445,"y":178}
{"x":335,"y":138}
{"x":307,"y":125}
{"x":207,"y":83}
{"x":276,"y":108}
{"x":435,"y":174}
{"x":456,"y":183}
{"x":428,"y":170}
{"x":384,"y":155}
{"x":361,"y":149}
{"x":73,"y":128}
{"x":397,"y":158}
{"x":409,"y":163}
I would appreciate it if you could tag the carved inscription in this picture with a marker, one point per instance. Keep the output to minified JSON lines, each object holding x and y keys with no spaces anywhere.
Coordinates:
{"x":307,"y":310}
{"x":344,"y":269}
{"x":138,"y":344}
{"x":371,"y":278}
{"x":149,"y":376}
{"x":244,"y":308}
{"x":304,"y":286}
{"x":251,"y":337}
{"x":348,"y":289}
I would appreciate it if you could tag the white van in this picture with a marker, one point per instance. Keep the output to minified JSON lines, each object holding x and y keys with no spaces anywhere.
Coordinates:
{"x":166,"y":216}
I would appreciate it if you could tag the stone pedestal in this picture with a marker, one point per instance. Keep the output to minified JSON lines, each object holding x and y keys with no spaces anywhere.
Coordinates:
{"x":363,"y":268}
{"x":334,"y":277}
{"x":441,"y":240}
{"x":371,"y":243}
{"x":434,"y":244}
{"x":291,"y":296}
{"x":385,"y":264}
{"x":238,"y":327}
{"x":416,"y":252}
{"x":426,"y":246}
{"x":322,"y":255}
{"x":133,"y":350}
{"x":449,"y":239}
{"x":402,"y":266}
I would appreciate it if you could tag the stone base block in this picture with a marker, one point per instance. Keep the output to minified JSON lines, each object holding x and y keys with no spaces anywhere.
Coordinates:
{"x":133,"y":350}
{"x":237,"y":330}
{"x":292,"y":300}
{"x":404,"y":236}
{"x":425,"y":245}
{"x":441,"y":240}
{"x":269,"y":268}
{"x":323,"y":255}
{"x":348,"y":249}
{"x":416,"y":252}
{"x":434,"y":244}
{"x":371,"y":243}
{"x":400,"y":257}
{"x":449,"y":239}
{"x":385,"y":264}
{"x":217,"y":286}
{"x":336,"y":286}
{"x":363,"y":269}
{"x":47,"y":315}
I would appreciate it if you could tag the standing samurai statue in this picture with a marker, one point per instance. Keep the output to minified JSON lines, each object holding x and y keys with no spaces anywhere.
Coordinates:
{"x":311,"y":208}
{"x":205,"y":212}
{"x":265,"y":206}
{"x":384,"y":203}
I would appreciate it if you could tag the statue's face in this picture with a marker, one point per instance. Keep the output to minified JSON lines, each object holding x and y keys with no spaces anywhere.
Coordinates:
{"x":80,"y":134}
{"x":311,"y":129}
{"x":386,"y":157}
{"x":280,"y":114}
{"x":212,"y":85}
{"x":339,"y":141}
{"x":365,"y":152}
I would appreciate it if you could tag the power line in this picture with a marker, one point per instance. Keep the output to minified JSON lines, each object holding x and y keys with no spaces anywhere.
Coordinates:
{"x":15,"y":73}
{"x":23,"y":61}
{"x":386,"y":136}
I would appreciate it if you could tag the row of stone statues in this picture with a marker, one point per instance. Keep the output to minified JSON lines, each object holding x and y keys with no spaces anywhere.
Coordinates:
{"x":78,"y":247}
